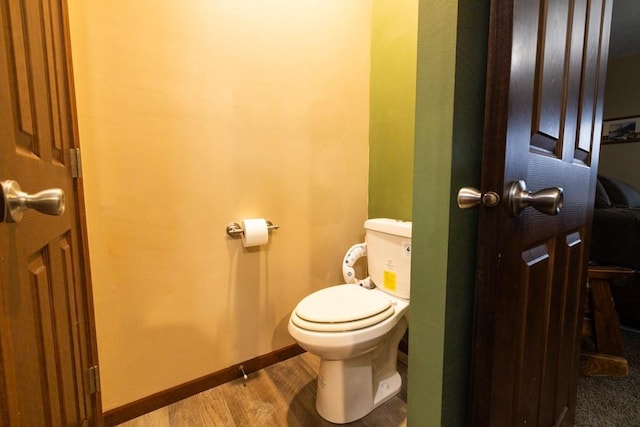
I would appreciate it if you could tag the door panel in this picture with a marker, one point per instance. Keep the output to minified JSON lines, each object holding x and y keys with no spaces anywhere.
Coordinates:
{"x":546,"y":68}
{"x":22,"y":77}
{"x":47,"y":342}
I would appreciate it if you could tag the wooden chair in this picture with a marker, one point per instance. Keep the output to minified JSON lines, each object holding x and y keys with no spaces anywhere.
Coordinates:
{"x":603,"y":325}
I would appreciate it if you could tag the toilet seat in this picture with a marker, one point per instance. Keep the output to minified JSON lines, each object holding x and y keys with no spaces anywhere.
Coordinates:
{"x":342,"y":308}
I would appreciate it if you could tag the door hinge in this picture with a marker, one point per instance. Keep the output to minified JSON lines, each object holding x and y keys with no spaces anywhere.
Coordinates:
{"x":94,"y":379}
{"x":76,"y":163}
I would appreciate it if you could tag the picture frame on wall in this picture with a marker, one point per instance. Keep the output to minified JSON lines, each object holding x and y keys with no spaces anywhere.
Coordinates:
{"x":620,"y":130}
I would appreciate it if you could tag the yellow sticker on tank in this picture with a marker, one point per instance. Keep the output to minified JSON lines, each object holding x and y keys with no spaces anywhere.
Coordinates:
{"x":390,"y":281}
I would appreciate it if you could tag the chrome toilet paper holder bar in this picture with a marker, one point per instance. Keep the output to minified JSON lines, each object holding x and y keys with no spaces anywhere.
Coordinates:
{"x":235,"y":231}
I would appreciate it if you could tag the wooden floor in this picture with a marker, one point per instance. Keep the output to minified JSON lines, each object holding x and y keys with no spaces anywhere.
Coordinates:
{"x":279,"y":395}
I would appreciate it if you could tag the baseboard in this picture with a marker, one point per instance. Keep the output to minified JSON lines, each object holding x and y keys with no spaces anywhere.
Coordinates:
{"x":148,"y":404}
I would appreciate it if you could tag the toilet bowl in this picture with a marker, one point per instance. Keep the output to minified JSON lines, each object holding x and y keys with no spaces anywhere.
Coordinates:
{"x":356,"y":330}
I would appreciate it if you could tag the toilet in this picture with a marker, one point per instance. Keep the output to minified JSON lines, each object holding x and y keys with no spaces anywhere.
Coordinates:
{"x":355,"y":328}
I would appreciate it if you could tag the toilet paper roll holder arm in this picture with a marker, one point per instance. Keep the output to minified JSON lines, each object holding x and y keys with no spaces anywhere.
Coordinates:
{"x":235,"y":231}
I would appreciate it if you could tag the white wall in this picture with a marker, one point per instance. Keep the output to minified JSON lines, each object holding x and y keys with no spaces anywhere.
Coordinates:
{"x":196,"y":114}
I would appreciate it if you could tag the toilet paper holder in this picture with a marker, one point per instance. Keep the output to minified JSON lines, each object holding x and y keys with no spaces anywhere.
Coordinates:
{"x":235,"y":231}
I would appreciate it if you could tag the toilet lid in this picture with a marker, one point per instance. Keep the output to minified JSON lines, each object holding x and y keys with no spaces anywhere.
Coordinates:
{"x":342,"y":308}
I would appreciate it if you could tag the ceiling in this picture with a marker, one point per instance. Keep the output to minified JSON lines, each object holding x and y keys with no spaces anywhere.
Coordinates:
{"x":625,"y":28}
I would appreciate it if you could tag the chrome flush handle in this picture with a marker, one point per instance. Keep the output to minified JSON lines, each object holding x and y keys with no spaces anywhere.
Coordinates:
{"x":15,"y":201}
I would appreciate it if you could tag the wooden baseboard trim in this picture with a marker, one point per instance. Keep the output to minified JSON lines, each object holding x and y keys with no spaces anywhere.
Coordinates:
{"x":148,"y":404}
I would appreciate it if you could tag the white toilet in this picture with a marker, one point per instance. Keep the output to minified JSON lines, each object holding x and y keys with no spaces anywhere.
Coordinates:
{"x":355,"y":328}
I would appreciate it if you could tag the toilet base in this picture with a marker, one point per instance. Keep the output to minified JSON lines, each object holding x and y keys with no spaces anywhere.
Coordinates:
{"x":345,"y":388}
{"x":349,"y":389}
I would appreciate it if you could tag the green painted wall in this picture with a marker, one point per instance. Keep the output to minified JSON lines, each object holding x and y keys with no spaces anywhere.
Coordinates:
{"x":394,"y":35}
{"x":450,"y":84}
{"x":432,"y":189}
{"x":427,"y":104}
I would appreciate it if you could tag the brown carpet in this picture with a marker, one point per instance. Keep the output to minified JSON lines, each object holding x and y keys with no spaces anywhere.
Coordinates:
{"x":612,"y":401}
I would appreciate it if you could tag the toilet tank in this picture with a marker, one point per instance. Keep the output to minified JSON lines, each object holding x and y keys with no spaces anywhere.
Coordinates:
{"x":389,"y":255}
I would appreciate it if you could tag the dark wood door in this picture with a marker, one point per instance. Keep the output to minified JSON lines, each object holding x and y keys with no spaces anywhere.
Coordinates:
{"x":546,"y":72}
{"x":47,"y":345}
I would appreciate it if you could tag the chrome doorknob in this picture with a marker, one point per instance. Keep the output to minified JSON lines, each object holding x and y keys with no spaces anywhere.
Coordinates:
{"x":547,"y":200}
{"x":15,"y":201}
{"x":469,"y":197}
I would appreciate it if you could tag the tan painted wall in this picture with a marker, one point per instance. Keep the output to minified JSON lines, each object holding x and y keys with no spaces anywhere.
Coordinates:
{"x":622,"y":95}
{"x":196,"y":114}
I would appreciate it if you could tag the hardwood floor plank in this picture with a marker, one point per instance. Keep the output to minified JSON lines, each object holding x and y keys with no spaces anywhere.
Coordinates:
{"x":159,"y":417}
{"x":297,"y":382}
{"x":256,"y":403}
{"x":208,"y":408}
{"x":282,"y":394}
